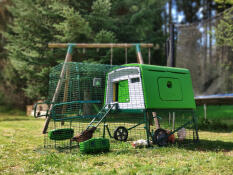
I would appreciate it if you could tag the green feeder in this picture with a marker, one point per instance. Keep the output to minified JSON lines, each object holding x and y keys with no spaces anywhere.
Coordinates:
{"x":94,"y":145}
{"x":61,"y":134}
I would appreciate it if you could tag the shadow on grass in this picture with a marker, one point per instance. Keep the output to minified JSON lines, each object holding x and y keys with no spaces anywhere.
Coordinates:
{"x":201,"y":146}
{"x":223,"y":128}
{"x":216,"y":125}
{"x":230,"y":129}
{"x":209,"y":145}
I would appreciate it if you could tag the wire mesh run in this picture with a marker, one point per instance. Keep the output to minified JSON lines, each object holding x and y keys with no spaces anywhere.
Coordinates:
{"x":182,"y":123}
{"x":135,"y":125}
{"x":106,"y":129}
{"x":113,"y":96}
{"x":81,"y":91}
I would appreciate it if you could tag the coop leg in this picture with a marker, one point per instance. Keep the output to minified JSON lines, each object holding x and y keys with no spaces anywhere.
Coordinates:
{"x":104,"y":130}
{"x":195,"y":122}
{"x":70,"y":139}
{"x":147,"y":127}
{"x":109,"y":133}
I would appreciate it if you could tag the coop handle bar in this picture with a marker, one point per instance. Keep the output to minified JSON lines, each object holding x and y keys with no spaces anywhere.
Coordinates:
{"x":37,"y":114}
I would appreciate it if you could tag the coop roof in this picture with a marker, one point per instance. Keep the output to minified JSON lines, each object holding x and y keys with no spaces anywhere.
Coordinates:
{"x":158,"y":68}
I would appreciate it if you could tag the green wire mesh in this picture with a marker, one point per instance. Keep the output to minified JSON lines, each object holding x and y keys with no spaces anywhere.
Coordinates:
{"x":82,"y":89}
{"x":80,"y":98}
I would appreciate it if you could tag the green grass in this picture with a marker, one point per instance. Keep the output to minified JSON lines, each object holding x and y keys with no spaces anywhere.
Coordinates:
{"x":22,"y":152}
{"x":219,"y":117}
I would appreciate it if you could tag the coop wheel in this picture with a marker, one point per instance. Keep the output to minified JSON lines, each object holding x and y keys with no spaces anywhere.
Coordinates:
{"x":161,"y":137}
{"x":121,"y":133}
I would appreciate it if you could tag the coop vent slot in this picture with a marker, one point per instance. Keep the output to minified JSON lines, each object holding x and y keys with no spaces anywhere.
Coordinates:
{"x":135,"y":80}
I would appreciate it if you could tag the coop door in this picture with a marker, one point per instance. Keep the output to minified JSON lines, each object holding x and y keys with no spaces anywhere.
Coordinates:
{"x":115,"y":92}
{"x":170,"y":89}
{"x":123,"y":91}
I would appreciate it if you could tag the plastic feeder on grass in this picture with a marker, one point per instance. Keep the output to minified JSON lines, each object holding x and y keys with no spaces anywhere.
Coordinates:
{"x":95,"y":145}
{"x":61,"y":134}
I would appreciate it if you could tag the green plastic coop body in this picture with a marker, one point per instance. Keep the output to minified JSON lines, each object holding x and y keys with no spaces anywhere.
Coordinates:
{"x":141,"y":86}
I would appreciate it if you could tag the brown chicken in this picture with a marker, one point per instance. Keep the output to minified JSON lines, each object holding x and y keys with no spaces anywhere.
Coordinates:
{"x":85,"y":135}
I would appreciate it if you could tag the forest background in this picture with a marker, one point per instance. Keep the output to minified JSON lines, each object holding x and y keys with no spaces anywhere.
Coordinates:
{"x":27,"y":26}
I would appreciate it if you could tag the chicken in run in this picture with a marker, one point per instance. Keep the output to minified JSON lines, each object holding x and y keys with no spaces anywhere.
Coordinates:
{"x":85,"y":135}
{"x":171,"y":138}
{"x":140,"y":143}
{"x":181,"y":134}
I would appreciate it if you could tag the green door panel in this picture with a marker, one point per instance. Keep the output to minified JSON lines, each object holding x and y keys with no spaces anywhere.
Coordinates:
{"x":170,"y":89}
{"x":123,"y":92}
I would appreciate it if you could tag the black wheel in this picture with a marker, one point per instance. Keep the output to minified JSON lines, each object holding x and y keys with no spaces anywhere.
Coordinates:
{"x":121,"y":133}
{"x":160,"y":137}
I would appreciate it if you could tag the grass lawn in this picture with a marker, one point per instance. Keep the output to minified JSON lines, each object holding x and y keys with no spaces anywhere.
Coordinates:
{"x":22,"y":152}
{"x":219,"y":117}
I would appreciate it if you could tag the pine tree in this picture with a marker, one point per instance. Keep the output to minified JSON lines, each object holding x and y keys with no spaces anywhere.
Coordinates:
{"x":36,"y":23}
{"x":224,"y":30}
{"x":27,"y":39}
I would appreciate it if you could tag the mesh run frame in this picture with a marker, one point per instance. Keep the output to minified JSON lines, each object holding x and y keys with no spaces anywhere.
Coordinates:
{"x":83,"y":94}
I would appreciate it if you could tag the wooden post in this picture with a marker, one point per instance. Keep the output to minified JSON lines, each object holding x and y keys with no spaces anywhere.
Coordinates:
{"x":204,"y":111}
{"x":126,"y":55}
{"x":149,"y":56}
{"x":173,"y":120}
{"x":59,"y":84}
{"x":169,"y":119}
{"x":171,"y":54}
{"x":66,"y":83}
{"x":111,"y":56}
{"x":139,"y":54}
{"x":157,"y":125}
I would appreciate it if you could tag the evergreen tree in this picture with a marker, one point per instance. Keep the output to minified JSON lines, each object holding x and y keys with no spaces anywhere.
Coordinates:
{"x":224,"y":30}
{"x":27,"y":39}
{"x":36,"y":23}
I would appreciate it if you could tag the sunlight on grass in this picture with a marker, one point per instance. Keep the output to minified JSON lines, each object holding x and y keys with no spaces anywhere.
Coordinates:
{"x":21,"y":151}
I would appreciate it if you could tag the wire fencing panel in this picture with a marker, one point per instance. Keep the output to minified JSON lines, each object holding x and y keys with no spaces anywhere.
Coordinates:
{"x":81,"y":82}
{"x":210,"y":64}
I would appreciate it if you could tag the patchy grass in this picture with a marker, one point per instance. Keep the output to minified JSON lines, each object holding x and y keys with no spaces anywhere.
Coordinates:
{"x":219,"y":118}
{"x":22,"y":152}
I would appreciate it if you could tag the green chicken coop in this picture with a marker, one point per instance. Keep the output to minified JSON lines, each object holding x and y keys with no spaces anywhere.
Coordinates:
{"x":141,"y":88}
{"x":119,"y":101}
{"x":147,"y":87}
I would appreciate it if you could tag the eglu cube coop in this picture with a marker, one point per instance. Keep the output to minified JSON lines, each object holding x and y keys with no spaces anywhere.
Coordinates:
{"x":140,"y":87}
{"x":119,"y":101}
